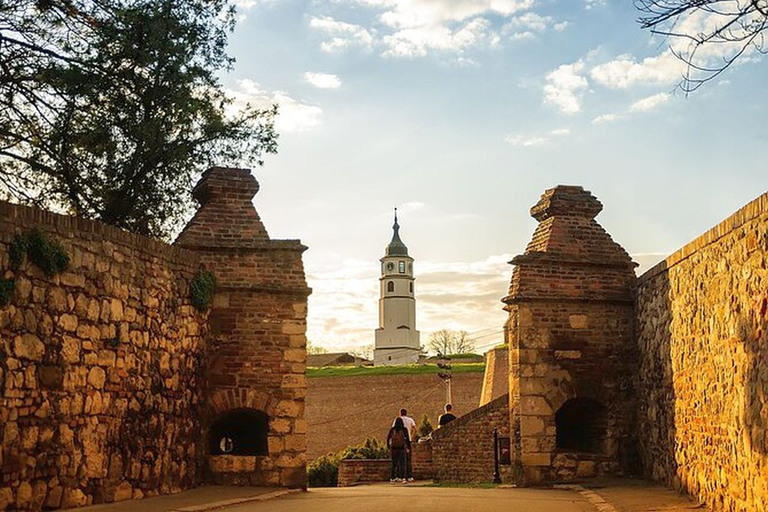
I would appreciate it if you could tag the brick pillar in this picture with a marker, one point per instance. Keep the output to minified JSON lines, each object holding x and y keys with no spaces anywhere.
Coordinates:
{"x":256,"y":348}
{"x":571,"y":356}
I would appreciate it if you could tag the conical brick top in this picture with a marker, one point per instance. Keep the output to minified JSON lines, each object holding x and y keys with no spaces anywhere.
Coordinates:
{"x":227,"y":217}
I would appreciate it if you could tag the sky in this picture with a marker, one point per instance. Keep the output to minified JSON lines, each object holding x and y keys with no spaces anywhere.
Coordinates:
{"x":461,"y":113}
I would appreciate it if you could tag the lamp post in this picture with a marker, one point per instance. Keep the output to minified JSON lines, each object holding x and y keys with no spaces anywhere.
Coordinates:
{"x":496,"y":474}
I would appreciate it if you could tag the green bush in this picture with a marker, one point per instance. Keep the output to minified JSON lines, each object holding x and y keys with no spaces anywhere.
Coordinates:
{"x":48,"y":256}
{"x":324,"y":471}
{"x":6,"y":291}
{"x":424,"y":429}
{"x":201,"y":290}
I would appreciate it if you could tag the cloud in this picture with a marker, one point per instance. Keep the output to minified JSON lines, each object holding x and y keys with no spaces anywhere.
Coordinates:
{"x":342,"y":34}
{"x":294,"y":116}
{"x":565,"y":88}
{"x":606,"y":118}
{"x":416,"y":28}
{"x":323,"y":80}
{"x":535,"y":140}
{"x":590,"y":4}
{"x":624,"y":71}
{"x":650,"y":102}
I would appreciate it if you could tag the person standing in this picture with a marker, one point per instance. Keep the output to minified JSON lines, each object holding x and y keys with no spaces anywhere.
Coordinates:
{"x":447,"y":416}
{"x":398,"y":443}
{"x":410,"y":425}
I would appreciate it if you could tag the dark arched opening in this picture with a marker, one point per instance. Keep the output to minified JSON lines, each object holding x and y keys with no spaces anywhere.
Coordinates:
{"x":580,"y":425}
{"x":391,"y":286}
{"x":239,"y":432}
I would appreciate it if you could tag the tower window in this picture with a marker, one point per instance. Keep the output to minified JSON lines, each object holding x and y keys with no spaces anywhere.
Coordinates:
{"x":411,"y":287}
{"x":401,"y":267}
{"x":391,"y":286}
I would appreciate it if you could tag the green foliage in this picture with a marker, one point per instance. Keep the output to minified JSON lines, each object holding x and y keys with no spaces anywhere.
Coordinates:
{"x":405,"y":369}
{"x":201,"y":290}
{"x":324,"y":471}
{"x":111,"y":109}
{"x":372,"y":448}
{"x":18,"y":252}
{"x":47,"y":255}
{"x":6,"y":291}
{"x":425,"y":428}
{"x":463,"y":356}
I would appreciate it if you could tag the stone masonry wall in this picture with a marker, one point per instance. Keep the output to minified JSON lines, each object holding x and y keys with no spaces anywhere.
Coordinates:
{"x":496,"y":377}
{"x":702,"y":332}
{"x":462,"y":451}
{"x":101,"y":387}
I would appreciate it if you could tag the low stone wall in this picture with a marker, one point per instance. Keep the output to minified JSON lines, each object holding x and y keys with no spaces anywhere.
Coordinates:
{"x":496,"y":377}
{"x":100,"y":368}
{"x":462,"y":451}
{"x":702,"y":332}
{"x":358,"y":471}
{"x":421,"y":461}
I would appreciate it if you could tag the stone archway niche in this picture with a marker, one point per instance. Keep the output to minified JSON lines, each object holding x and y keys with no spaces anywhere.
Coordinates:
{"x":239,"y":432}
{"x":580,"y":426}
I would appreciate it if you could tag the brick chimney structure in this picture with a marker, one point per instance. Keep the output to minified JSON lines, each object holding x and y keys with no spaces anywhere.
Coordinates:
{"x":571,"y":355}
{"x":255,"y":432}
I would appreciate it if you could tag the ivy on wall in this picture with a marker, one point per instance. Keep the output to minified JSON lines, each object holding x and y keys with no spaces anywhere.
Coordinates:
{"x":49,"y":256}
{"x":201,"y":290}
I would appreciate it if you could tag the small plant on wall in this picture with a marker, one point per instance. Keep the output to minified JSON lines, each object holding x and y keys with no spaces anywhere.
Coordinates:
{"x":6,"y":291}
{"x":201,"y":290}
{"x":49,"y":256}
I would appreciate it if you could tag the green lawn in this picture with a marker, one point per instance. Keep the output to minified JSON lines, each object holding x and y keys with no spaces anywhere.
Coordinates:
{"x":406,"y":369}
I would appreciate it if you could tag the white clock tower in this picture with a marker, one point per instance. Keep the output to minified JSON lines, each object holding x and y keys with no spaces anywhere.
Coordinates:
{"x":397,"y":340}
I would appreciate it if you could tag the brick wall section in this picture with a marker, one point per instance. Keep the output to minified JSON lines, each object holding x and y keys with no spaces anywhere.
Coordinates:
{"x":344,"y":411}
{"x":101,"y":387}
{"x":702,"y":331}
{"x":256,"y":350}
{"x":421,"y":460}
{"x":496,"y":377}
{"x":462,"y":451}
{"x":358,"y":471}
{"x":570,"y":334}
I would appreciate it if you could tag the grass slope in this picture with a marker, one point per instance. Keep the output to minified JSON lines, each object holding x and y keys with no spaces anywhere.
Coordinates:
{"x":406,"y":369}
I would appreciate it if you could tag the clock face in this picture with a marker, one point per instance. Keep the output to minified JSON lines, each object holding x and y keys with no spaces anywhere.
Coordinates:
{"x":390,"y":266}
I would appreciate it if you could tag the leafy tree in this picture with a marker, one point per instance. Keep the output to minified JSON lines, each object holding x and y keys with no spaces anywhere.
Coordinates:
{"x":110,"y":108}
{"x":425,"y":428}
{"x":313,"y":349}
{"x":708,"y":35}
{"x":449,"y":342}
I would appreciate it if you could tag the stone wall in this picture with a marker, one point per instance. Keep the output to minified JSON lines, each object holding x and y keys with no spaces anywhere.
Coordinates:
{"x":344,"y":411}
{"x":112,"y":386}
{"x":570,"y":335}
{"x":462,"y":451}
{"x":496,"y":377}
{"x":257,"y":345}
{"x":101,"y":381}
{"x":421,"y":460}
{"x":702,"y":332}
{"x":358,"y":471}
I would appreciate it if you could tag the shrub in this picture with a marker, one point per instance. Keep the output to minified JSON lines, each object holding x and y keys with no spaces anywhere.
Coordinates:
{"x":48,"y":256}
{"x":201,"y":290}
{"x":324,"y":471}
{"x":424,"y":429}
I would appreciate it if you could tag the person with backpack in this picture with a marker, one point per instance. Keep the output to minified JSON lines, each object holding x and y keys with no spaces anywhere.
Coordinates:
{"x":410,"y":426}
{"x":398,"y":442}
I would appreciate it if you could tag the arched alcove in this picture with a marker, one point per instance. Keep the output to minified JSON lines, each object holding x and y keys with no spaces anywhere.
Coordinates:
{"x":239,"y":432}
{"x":580,"y":425}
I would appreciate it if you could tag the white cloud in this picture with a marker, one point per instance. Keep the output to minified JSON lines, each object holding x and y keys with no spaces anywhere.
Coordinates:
{"x":526,"y":140}
{"x":565,"y":88}
{"x":560,"y":132}
{"x":624,"y":71}
{"x":323,"y":80}
{"x":294,"y":116}
{"x":342,"y":34}
{"x":606,"y":118}
{"x":415,"y":28}
{"x":650,"y":102}
{"x":589,"y":4}
{"x":559,"y":27}
{"x":522,"y":36}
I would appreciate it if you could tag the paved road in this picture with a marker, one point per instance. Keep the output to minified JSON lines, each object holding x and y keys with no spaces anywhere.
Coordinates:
{"x":386,"y":498}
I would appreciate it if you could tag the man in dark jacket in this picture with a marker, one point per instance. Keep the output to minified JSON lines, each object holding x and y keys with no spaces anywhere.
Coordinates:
{"x":446,"y":417}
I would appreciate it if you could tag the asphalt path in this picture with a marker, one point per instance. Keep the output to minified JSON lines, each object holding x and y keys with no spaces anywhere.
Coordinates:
{"x":386,"y":498}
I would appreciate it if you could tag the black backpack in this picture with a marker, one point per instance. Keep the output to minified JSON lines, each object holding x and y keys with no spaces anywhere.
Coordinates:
{"x":398,"y":438}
